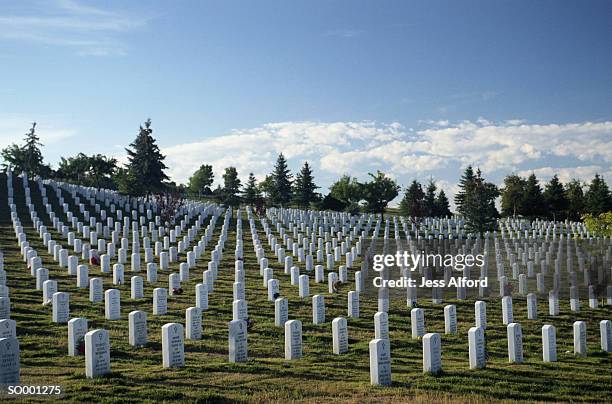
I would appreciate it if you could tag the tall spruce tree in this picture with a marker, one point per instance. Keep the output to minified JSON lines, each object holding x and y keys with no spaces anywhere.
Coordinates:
{"x":555,"y":200}
{"x":28,"y":157}
{"x":465,"y":184}
{"x":280,"y":191}
{"x":442,"y":205}
{"x":146,"y":164}
{"x":512,"y":195}
{"x":231,"y":187}
{"x":533,"y":199}
{"x":597,"y":199}
{"x":304,"y":187}
{"x":251,"y":192}
{"x":413,"y":202}
{"x":575,"y":199}
{"x":429,"y":202}
{"x":478,"y":203}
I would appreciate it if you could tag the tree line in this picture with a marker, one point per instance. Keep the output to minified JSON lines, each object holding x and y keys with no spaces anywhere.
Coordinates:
{"x":144,"y":175}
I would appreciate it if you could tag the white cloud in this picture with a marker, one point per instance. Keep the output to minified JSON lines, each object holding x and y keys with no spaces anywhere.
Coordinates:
{"x":440,"y":148}
{"x":66,"y":23}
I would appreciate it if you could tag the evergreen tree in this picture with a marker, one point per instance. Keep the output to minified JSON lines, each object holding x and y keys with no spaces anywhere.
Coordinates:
{"x":146,"y":164}
{"x":231,"y":187}
{"x":201,"y":180}
{"x":28,"y":157}
{"x":331,"y":203}
{"x":478,"y":203}
{"x":465,"y":184}
{"x":575,"y":199}
{"x":555,"y":200}
{"x":429,"y":202}
{"x":280,"y":192}
{"x":533,"y":200}
{"x":597,"y":199}
{"x":413,"y":203}
{"x":442,"y":205}
{"x":512,"y":195}
{"x":379,"y":192}
{"x":304,"y":187}
{"x":265,"y":187}
{"x":251,"y":192}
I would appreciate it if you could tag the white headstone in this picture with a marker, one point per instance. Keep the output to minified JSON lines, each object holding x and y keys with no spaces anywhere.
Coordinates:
{"x":476,"y":342}
{"x":515,"y":343}
{"x":193,"y":323}
{"x":417,"y":321}
{"x":339,"y":335}
{"x":97,"y":353}
{"x":580,"y":340}
{"x":173,"y":346}
{"x":281,"y":312}
{"x":432,"y":353}
{"x":380,"y":362}
{"x":9,"y":358}
{"x":318,"y":309}
{"x":238,"y":351}
{"x":450,"y":319}
{"x":137,"y":324}
{"x":549,"y":343}
{"x":160,"y":301}
{"x":381,"y":325}
{"x":77,"y":328}
{"x":61,"y":307}
{"x":112,"y":304}
{"x":293,"y":339}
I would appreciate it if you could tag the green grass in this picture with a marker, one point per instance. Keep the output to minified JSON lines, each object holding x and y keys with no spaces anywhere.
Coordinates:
{"x":137,"y":373}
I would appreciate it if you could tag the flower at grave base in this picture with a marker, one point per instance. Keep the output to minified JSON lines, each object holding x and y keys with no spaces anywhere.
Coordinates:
{"x":276,"y":295}
{"x":336,"y":286}
{"x":81,"y":346}
{"x":177,"y":291}
{"x":249,"y":323}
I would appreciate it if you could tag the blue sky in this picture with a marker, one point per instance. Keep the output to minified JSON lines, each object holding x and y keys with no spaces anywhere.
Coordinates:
{"x":416,"y":89}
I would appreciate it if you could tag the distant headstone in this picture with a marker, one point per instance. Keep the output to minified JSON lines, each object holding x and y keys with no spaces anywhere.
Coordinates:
{"x":476,"y":343}
{"x":318,"y":309}
{"x":549,"y":343}
{"x":61,"y":307}
{"x":293,"y":339}
{"x":450,"y":319}
{"x":77,"y":328}
{"x":515,"y":343}
{"x":432,"y":353}
{"x":137,"y":324}
{"x":580,"y":340}
{"x":160,"y":301}
{"x":112,"y":304}
{"x":381,"y":325}
{"x":281,"y":311}
{"x":417,"y":321}
{"x":193,"y":323}
{"x":339,"y":336}
{"x":238,"y":351}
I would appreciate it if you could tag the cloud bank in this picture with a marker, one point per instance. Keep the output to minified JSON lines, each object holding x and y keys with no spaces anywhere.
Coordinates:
{"x":440,"y":149}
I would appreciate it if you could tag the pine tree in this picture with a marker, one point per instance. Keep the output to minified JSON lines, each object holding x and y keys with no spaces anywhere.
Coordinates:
{"x":412,"y":203}
{"x":442,"y":205}
{"x":28,"y":157}
{"x":465,"y":184}
{"x":555,"y":200}
{"x":575,"y":199}
{"x":201,"y":180}
{"x":478,"y":204}
{"x":533,"y":200}
{"x":146,"y":164}
{"x":280,"y":192}
{"x":251,"y":192}
{"x":597,"y":199}
{"x":429,"y":202}
{"x":512,"y":195}
{"x":231,"y":187}
{"x":304,"y":187}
